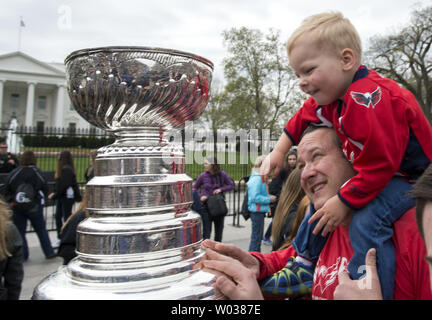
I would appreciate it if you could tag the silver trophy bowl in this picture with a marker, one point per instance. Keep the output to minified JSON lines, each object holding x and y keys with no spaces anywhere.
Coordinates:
{"x":141,"y":240}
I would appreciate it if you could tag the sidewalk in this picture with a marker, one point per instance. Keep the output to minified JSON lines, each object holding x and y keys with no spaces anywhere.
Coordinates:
{"x":37,"y":267}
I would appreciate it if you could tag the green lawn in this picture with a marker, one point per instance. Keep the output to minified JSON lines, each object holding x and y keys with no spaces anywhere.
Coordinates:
{"x":47,"y":161}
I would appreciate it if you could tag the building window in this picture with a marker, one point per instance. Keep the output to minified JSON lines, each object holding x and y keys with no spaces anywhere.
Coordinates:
{"x":14,"y":101}
{"x":72,"y":128}
{"x":41,"y":102}
{"x":40,"y":127}
{"x":92,"y":130}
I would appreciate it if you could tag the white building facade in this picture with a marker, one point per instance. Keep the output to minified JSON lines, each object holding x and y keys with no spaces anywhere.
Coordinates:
{"x":34,"y":92}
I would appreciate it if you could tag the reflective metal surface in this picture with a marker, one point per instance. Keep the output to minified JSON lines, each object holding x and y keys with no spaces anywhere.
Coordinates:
{"x":125,"y":87}
{"x":141,"y":240}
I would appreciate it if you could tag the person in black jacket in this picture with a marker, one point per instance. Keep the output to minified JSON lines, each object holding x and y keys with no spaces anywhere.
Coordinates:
{"x":28,"y":173}
{"x":8,"y":161}
{"x":11,"y":257}
{"x":66,"y":188}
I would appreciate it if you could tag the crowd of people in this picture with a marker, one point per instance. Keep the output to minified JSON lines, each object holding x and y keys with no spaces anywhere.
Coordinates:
{"x":23,"y":197}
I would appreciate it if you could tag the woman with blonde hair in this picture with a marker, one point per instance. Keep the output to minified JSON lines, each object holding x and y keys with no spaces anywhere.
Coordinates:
{"x":286,"y":210}
{"x":11,"y":256}
{"x":302,"y":208}
{"x":258,"y":204}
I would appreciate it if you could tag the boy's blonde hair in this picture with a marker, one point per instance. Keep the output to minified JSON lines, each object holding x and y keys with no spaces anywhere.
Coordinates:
{"x":332,"y":30}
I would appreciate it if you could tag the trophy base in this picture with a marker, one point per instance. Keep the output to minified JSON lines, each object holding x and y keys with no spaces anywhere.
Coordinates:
{"x":198,"y":285}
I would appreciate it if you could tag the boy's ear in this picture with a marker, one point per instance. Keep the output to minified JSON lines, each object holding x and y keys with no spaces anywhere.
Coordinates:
{"x":348,"y":59}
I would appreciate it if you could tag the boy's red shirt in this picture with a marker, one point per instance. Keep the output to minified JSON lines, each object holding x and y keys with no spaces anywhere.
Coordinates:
{"x":383,"y":130}
{"x":412,"y":273}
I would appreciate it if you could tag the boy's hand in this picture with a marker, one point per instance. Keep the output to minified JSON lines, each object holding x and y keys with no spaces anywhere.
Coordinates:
{"x":332,"y":214}
{"x":273,"y":161}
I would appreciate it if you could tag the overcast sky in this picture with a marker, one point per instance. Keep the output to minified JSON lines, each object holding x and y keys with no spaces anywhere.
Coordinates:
{"x":55,"y":28}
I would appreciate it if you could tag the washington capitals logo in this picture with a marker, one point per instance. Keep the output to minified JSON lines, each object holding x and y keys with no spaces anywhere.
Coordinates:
{"x":367,"y":99}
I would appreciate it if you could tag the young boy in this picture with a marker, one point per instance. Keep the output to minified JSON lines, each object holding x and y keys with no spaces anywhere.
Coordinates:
{"x":384,"y":134}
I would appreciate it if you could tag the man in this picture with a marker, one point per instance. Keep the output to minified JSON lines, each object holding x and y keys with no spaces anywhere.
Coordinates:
{"x":8,"y":161}
{"x":324,"y":171}
{"x":351,"y":289}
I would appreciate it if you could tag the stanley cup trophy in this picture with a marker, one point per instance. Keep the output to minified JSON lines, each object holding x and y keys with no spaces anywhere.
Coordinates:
{"x":141,"y":239}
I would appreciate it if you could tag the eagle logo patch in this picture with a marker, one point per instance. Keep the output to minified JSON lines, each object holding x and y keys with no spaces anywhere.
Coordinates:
{"x":367,"y":99}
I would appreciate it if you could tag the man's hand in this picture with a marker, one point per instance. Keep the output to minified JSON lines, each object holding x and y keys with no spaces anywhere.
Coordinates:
{"x":235,"y":281}
{"x":368,"y":288}
{"x":229,"y":250}
{"x":333,"y":213}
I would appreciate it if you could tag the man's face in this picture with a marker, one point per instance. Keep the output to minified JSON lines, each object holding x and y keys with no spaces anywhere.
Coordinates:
{"x":324,"y":169}
{"x":3,"y":148}
{"x":427,"y":227}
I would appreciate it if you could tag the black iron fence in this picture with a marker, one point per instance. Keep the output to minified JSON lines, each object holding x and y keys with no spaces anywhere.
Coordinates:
{"x":47,"y":143}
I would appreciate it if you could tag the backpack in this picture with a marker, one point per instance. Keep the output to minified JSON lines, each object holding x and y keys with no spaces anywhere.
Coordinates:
{"x":24,"y":197}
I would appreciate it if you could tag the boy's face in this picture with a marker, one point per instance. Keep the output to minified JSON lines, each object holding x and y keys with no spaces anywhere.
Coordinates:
{"x":320,"y":71}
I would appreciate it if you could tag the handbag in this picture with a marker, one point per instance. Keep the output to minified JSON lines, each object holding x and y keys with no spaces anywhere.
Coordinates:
{"x":244,"y":208}
{"x":216,"y":205}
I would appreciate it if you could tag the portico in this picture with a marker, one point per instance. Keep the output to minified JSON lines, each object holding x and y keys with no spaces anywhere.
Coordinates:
{"x":34,"y":92}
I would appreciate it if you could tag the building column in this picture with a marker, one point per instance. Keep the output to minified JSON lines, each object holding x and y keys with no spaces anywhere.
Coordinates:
{"x":30,"y":104}
{"x":60,"y":106}
{"x":1,"y":100}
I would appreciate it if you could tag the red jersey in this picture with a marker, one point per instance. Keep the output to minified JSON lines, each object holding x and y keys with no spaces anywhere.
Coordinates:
{"x":383,"y":130}
{"x":412,"y":273}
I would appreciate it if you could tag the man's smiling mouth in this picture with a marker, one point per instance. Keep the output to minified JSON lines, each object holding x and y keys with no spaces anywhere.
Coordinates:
{"x":318,"y":187}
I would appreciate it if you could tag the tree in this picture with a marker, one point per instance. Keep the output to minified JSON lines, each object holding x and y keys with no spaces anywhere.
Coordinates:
{"x":259,"y":81}
{"x":214,"y":114}
{"x":405,"y":57}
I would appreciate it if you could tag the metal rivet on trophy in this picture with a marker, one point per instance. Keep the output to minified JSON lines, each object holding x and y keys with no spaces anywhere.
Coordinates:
{"x":141,"y":239}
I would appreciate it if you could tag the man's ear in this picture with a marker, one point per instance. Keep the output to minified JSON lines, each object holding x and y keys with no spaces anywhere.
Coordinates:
{"x":348,"y":59}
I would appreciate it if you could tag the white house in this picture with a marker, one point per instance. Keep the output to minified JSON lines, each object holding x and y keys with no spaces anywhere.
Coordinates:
{"x":35,"y":93}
